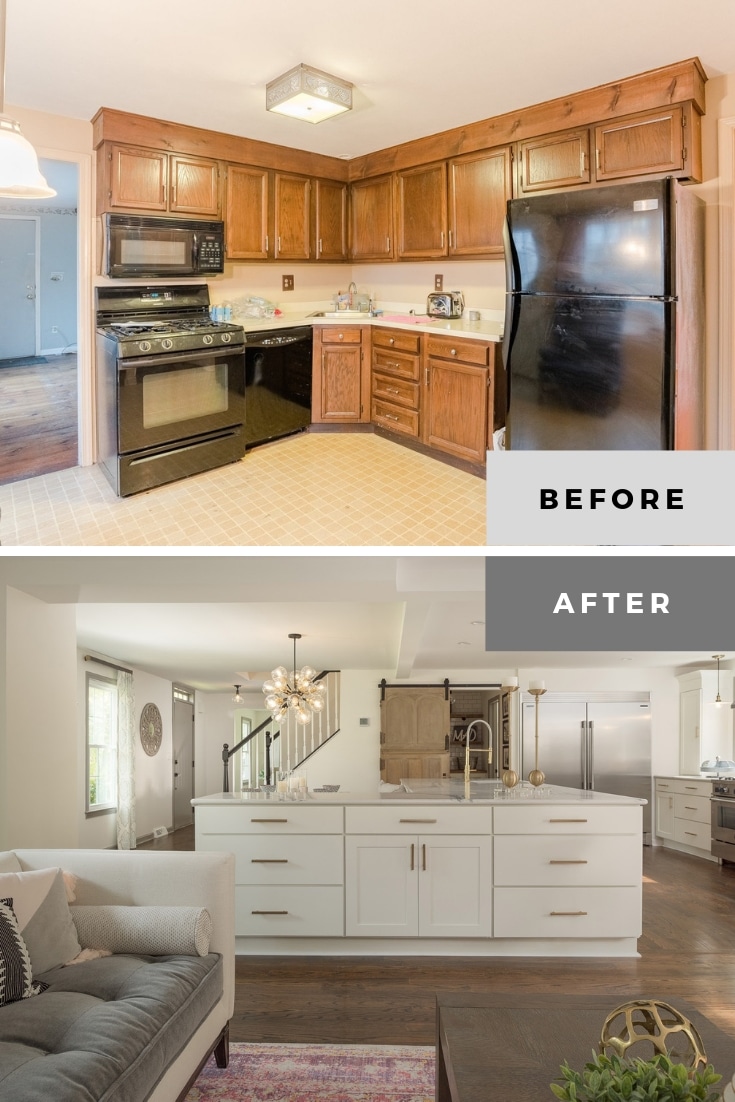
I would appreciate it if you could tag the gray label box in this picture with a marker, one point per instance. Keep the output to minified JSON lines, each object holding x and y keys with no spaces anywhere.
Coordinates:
{"x":574,"y":498}
{"x":633,"y":603}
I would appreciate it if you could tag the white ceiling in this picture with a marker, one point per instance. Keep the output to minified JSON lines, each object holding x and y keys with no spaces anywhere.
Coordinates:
{"x":418,"y":68}
{"x":211,"y":622}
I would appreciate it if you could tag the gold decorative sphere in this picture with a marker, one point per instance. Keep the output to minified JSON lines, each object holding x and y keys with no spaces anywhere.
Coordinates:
{"x":510,"y":778}
{"x":652,"y":1024}
{"x":536,"y":777}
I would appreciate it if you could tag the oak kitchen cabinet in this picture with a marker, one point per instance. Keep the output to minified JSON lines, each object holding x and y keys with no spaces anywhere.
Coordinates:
{"x":458,"y":396}
{"x":150,"y":180}
{"x":649,"y":142}
{"x":341,"y":380}
{"x":554,"y":160}
{"x":479,"y":187}
{"x":371,"y":219}
{"x":421,"y":212}
{"x":330,"y":219}
{"x":396,"y":392}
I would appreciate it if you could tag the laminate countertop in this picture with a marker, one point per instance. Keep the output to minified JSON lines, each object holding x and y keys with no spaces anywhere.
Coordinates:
{"x":456,"y":327}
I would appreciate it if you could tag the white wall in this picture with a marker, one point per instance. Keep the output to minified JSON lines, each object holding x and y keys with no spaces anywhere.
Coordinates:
{"x":41,"y":781}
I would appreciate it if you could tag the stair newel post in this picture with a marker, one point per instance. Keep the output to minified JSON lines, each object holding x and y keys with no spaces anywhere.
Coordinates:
{"x":226,"y":766}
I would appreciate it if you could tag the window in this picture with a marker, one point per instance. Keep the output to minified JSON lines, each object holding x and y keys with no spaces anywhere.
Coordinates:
{"x":245,"y":725}
{"x":101,"y":743}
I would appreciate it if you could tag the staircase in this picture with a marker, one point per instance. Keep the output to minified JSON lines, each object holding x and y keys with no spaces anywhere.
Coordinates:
{"x":278,"y":748}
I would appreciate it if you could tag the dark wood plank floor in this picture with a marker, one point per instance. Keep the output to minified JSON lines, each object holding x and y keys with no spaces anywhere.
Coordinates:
{"x":687,"y":952}
{"x":38,"y":418}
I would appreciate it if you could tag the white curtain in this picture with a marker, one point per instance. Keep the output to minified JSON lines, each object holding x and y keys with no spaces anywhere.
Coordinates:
{"x":126,"y":838}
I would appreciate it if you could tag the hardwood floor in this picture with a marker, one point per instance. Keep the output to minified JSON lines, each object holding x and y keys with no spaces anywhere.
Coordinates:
{"x":38,"y":418}
{"x":687,"y":952}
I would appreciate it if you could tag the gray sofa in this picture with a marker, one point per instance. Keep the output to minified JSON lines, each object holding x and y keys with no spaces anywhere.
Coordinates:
{"x":128,"y":1027}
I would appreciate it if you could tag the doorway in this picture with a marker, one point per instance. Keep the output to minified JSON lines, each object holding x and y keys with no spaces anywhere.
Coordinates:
{"x":39,"y":400}
{"x":183,"y":757}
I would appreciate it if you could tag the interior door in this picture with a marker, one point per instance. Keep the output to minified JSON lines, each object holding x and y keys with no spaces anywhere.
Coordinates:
{"x":183,"y":747}
{"x":18,"y":246}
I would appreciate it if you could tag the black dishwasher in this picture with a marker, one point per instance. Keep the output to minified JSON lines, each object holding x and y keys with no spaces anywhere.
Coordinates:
{"x":277,"y":383}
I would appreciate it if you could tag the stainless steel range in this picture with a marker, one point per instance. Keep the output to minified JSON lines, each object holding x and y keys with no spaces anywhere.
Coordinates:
{"x":170,"y":386}
{"x":722,"y":803}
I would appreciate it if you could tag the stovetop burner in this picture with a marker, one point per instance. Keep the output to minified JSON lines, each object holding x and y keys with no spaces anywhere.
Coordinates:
{"x":150,"y":320}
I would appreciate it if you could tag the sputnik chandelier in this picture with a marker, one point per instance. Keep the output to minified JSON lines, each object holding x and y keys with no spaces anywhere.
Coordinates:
{"x":295,"y":692}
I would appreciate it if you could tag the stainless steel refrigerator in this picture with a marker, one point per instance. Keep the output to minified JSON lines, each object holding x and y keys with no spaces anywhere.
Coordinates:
{"x":591,"y":741}
{"x":603,"y":343}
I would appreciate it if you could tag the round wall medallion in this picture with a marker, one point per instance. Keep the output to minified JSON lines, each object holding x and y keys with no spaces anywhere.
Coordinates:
{"x":151,"y":729}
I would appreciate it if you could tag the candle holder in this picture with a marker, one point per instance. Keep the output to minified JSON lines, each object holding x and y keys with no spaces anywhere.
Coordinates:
{"x":536,"y":777}
{"x":510,"y":777}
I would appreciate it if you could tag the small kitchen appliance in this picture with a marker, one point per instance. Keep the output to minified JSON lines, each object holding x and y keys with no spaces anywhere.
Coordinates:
{"x":448,"y":304}
{"x":143,"y":247}
{"x":170,"y":385}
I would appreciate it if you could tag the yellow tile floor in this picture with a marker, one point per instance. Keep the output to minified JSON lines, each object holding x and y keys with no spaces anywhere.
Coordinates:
{"x":309,"y":490}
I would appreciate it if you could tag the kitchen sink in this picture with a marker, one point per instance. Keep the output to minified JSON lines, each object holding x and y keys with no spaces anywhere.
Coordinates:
{"x":341,"y":314}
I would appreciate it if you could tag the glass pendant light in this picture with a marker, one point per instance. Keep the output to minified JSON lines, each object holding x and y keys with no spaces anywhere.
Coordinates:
{"x":296,"y":692}
{"x":20,"y":176}
{"x":718,"y":698}
{"x":237,"y":698}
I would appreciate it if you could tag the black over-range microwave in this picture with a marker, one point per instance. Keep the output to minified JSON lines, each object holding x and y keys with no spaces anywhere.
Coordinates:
{"x":151,"y":247}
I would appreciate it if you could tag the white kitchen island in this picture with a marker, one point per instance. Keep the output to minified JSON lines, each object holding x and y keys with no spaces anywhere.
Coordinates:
{"x":427,"y":872}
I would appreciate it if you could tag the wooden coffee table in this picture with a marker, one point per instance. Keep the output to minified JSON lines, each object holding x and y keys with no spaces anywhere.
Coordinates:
{"x":508,"y":1048}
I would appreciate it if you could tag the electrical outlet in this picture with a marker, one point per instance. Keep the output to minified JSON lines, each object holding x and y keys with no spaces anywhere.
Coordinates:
{"x":288,"y":283}
{"x":438,"y":282}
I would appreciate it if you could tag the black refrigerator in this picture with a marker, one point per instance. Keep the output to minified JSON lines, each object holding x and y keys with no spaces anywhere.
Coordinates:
{"x":603,"y":345}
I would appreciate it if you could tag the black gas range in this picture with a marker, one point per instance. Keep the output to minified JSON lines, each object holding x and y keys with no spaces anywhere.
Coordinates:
{"x":170,"y":385}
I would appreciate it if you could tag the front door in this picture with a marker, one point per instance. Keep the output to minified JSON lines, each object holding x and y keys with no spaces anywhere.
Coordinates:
{"x":18,"y":238}
{"x":183,"y":747}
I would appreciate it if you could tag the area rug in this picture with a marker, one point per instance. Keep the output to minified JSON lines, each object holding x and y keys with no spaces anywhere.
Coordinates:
{"x":319,"y":1073}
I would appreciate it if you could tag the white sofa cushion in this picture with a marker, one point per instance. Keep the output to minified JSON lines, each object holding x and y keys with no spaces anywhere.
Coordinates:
{"x":153,"y":931}
{"x":40,"y":906}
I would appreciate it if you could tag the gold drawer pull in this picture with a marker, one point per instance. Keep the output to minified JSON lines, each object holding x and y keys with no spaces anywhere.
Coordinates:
{"x":567,"y":820}
{"x":269,"y":912}
{"x":417,"y":820}
{"x":423,"y":857}
{"x":691,"y":788}
{"x":390,"y":416}
{"x":581,"y":862}
{"x":413,"y":851}
{"x":269,"y":820}
{"x":268,"y":860}
{"x":567,"y":914}
{"x":691,"y":833}
{"x":688,"y":808}
{"x":662,"y":785}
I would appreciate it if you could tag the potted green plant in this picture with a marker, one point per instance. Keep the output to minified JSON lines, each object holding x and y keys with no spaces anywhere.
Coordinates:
{"x":613,"y":1079}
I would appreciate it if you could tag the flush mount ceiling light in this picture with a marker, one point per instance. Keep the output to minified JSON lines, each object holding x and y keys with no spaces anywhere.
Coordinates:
{"x":20,"y":177}
{"x":294,"y":692}
{"x":308,"y":94}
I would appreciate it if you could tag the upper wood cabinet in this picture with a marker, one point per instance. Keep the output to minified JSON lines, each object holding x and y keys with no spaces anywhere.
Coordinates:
{"x":148,"y":180}
{"x":371,"y":221}
{"x":651,"y":142}
{"x":330,"y":219}
{"x":292,"y":217}
{"x":554,"y":160}
{"x":247,"y":234}
{"x":421,"y":211}
{"x":480,"y":185}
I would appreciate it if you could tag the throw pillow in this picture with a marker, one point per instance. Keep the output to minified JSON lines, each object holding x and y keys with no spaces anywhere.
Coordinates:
{"x":151,"y":931}
{"x":44,"y":919}
{"x":16,"y":973}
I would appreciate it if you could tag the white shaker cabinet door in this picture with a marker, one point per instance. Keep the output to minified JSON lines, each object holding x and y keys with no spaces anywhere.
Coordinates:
{"x":381,"y":886}
{"x":455,"y":887}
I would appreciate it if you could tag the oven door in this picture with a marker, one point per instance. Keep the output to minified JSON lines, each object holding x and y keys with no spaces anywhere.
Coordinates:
{"x":149,"y":247}
{"x":723,"y":820}
{"x":165,"y":399}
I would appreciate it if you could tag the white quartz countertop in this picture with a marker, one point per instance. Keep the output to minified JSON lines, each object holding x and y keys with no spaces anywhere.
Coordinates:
{"x":447,"y":792}
{"x":458,"y":327}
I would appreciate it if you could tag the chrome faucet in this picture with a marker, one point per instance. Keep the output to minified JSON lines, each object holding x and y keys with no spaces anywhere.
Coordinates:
{"x":352,"y":291}
{"x":479,"y":750}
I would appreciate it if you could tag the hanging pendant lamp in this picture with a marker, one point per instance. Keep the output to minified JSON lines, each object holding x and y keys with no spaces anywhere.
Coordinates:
{"x":237,"y":698}
{"x":718,"y":698}
{"x":294,"y":692}
{"x":20,"y":176}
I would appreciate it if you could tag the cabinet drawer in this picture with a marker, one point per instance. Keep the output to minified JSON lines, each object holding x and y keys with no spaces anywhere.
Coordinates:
{"x":395,"y":418}
{"x":572,"y":819}
{"x":396,"y":340}
{"x":595,"y":860}
{"x":684,"y":785}
{"x":567,"y":912}
{"x":470,"y":352}
{"x":696,"y":808}
{"x":396,"y":391}
{"x":288,"y":859}
{"x":289,"y":912}
{"x":338,"y":335}
{"x":427,"y":819}
{"x":396,"y":363}
{"x":272,"y":817}
{"x":693,"y":834}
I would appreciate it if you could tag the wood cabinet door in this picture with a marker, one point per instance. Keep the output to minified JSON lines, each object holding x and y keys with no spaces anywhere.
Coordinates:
{"x":330,"y":220}
{"x":291,"y":214}
{"x":456,"y":409}
{"x":421,"y":211}
{"x":554,"y":160}
{"x":194,"y":186}
{"x":246,"y":213}
{"x":651,"y":142}
{"x":414,"y":719}
{"x":341,"y":383}
{"x":138,"y":179}
{"x":371,"y":219}
{"x":480,"y":185}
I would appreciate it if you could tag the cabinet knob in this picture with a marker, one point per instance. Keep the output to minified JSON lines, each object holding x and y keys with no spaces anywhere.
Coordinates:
{"x":392,"y":340}
{"x":454,"y":351}
{"x":341,"y":336}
